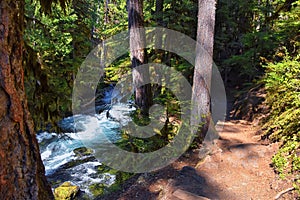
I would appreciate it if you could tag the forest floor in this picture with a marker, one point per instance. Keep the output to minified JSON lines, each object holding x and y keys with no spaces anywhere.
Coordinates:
{"x":237,"y":166}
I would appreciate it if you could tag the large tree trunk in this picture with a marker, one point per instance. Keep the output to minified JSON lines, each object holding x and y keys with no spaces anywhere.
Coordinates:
{"x":22,"y":174}
{"x":203,"y":66}
{"x":143,"y":94}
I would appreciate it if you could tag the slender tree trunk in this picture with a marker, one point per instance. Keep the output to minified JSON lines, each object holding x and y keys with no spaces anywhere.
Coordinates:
{"x":158,"y":44}
{"x":22,"y":174}
{"x":143,"y":94}
{"x":106,"y":10}
{"x":203,"y":66}
{"x":159,"y":5}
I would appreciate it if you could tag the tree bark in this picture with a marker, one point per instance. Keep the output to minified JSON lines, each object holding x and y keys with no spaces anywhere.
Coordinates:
{"x":22,"y":174}
{"x":143,"y":94}
{"x":203,"y":67}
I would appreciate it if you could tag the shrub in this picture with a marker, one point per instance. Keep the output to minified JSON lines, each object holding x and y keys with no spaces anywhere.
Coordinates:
{"x":282,"y":81}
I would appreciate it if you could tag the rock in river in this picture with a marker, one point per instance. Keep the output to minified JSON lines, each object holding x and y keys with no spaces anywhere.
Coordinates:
{"x":66,"y":191}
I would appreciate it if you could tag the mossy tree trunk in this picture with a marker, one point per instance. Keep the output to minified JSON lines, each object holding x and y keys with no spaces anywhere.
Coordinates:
{"x":22,"y":174}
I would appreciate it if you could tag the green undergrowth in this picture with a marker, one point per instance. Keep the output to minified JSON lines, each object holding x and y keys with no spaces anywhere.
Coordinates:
{"x":166,"y":122}
{"x":282,"y":83}
{"x":99,"y":189}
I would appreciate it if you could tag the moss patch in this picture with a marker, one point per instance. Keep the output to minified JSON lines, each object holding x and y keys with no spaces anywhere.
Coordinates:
{"x":66,"y":191}
{"x":97,"y":189}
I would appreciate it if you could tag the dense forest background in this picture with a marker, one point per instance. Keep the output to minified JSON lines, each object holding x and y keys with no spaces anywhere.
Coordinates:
{"x":256,"y":48}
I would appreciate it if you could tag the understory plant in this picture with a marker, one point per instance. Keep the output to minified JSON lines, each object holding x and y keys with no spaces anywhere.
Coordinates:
{"x":282,"y":83}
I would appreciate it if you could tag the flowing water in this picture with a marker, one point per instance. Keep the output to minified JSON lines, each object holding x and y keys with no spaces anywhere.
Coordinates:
{"x":64,"y":155}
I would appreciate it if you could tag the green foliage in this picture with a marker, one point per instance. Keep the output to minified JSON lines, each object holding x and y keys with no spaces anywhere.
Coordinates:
{"x":286,"y":160}
{"x":117,"y":69}
{"x":162,"y":137}
{"x":181,"y":16}
{"x":234,"y":19}
{"x":282,"y":82}
{"x":256,"y":46}
{"x":283,"y":89}
{"x":56,"y":44}
{"x":140,"y":145}
{"x":99,"y":189}
{"x":248,"y":33}
{"x":114,"y":17}
{"x":287,"y":28}
{"x":46,"y":5}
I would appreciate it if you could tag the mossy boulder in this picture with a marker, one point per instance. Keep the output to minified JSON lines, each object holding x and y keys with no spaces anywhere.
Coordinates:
{"x":97,"y":189}
{"x":105,"y":169}
{"x":66,"y":191}
{"x":83,"y":151}
{"x":74,"y":163}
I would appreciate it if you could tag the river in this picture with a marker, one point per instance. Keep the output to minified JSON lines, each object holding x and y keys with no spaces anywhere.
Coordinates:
{"x":64,"y":155}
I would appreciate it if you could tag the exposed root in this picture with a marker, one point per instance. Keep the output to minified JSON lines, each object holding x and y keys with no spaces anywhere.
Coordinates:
{"x":283,"y":192}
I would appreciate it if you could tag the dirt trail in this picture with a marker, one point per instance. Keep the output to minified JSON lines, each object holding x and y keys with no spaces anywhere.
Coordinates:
{"x":237,"y":167}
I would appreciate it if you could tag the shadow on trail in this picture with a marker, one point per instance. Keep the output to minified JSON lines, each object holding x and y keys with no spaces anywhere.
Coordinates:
{"x":195,"y":182}
{"x":191,"y":181}
{"x":162,"y":184}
